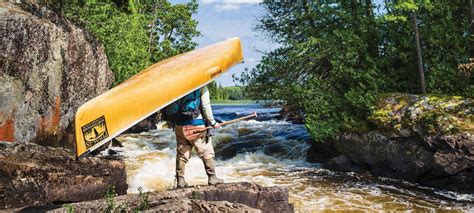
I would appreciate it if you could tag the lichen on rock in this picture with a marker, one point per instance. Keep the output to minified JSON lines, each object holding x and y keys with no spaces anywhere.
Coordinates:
{"x":427,"y":114}
{"x":48,"y":68}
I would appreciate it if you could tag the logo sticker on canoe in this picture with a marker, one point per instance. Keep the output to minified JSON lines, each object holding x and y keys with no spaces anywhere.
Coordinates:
{"x":216,"y":73}
{"x":95,"y":131}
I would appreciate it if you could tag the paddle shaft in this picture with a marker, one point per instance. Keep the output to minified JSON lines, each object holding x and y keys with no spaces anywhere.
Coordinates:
{"x":254,"y":114}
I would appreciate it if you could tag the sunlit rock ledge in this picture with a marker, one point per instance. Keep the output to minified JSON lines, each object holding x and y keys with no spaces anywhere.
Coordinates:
{"x":424,"y":139}
{"x":228,"y":197}
{"x":34,"y":175}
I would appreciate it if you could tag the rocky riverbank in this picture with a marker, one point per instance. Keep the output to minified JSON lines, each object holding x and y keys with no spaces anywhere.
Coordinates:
{"x":230,"y":197}
{"x":424,"y":139}
{"x":32,"y":175}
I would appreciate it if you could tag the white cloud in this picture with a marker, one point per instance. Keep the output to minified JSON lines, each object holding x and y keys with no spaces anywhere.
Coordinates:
{"x":231,"y":1}
{"x":223,"y":7}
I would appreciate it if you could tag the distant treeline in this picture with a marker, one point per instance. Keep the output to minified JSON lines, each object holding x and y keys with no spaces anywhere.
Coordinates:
{"x":220,"y":93}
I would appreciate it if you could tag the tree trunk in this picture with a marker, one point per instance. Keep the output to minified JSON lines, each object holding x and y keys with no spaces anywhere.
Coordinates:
{"x":372,"y":38}
{"x":354,"y":7}
{"x":418,"y":53}
{"x":369,"y":5}
{"x":471,"y":27}
{"x":153,"y":23}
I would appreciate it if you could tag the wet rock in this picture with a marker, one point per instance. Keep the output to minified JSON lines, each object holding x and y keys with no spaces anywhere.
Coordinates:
{"x":275,"y":150}
{"x":48,"y":68}
{"x":414,"y":159}
{"x":423,"y":139}
{"x":32,"y":175}
{"x":291,"y":115}
{"x":146,"y":124}
{"x":227,"y":151}
{"x":342,"y":163}
{"x":245,"y":131}
{"x":230,"y":197}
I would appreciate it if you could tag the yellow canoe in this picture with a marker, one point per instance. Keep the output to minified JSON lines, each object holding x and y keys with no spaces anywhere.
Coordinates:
{"x":111,"y":113}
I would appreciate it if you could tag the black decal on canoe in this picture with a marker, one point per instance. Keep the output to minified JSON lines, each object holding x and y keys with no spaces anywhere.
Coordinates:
{"x":216,"y":73}
{"x":95,"y":131}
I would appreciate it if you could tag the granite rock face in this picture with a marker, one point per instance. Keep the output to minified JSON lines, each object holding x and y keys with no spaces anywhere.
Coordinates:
{"x":48,"y":68}
{"x":32,"y":175}
{"x":424,"y":139}
{"x":229,"y":197}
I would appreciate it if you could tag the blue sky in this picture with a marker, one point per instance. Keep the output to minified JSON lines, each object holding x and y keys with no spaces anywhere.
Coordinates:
{"x":220,"y":20}
{"x":223,"y":19}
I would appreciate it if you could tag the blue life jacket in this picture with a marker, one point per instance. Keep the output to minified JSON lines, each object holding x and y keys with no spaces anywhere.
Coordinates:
{"x":184,"y":110}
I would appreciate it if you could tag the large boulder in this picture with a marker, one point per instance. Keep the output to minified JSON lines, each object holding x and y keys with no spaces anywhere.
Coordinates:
{"x":48,"y":68}
{"x":32,"y":175}
{"x":423,"y":139}
{"x":229,"y":197}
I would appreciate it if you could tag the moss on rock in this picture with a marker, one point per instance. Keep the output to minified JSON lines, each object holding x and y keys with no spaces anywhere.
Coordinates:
{"x":427,"y":114}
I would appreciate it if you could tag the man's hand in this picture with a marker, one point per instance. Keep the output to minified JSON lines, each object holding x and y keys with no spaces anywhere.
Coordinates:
{"x":216,"y":126}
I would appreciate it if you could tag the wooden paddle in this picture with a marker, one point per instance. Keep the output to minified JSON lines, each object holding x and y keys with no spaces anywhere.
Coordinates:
{"x":194,"y":132}
{"x":253,"y":115}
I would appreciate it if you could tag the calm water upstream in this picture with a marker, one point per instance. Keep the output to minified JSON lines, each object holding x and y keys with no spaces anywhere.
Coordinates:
{"x":272,"y":152}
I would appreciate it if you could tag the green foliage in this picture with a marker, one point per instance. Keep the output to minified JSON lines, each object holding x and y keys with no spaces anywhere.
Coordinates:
{"x":109,"y":199}
{"x":173,"y":29}
{"x":445,"y":47}
{"x":334,"y":59}
{"x":69,"y":208}
{"x":123,"y":35}
{"x":137,"y":33}
{"x":143,"y":198}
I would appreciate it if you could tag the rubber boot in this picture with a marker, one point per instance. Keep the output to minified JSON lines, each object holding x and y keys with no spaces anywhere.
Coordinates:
{"x":180,"y":168}
{"x":211,"y":172}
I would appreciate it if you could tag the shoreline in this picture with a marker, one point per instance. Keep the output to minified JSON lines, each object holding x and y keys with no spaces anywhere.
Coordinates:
{"x":233,"y":102}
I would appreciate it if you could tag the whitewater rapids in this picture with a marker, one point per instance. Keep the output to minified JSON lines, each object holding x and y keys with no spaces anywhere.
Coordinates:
{"x":273,"y":153}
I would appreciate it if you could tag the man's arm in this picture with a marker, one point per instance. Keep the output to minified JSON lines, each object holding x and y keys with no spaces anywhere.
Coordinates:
{"x":206,"y":107}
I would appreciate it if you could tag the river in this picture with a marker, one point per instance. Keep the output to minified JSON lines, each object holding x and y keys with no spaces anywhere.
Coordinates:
{"x":272,"y":153}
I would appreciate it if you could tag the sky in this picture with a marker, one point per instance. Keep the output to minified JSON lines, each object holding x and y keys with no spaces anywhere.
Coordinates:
{"x":223,"y":19}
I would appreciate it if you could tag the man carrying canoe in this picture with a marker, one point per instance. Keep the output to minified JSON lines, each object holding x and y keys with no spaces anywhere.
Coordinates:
{"x":191,"y":114}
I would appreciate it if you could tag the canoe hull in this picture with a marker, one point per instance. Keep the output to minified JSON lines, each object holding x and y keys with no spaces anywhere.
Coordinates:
{"x":111,"y":113}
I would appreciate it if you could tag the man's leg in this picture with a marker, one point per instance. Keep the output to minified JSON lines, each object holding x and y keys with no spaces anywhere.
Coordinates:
{"x":183,"y":152}
{"x":205,"y":151}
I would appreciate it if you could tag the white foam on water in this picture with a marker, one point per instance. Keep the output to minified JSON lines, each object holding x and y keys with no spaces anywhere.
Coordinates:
{"x":159,"y":173}
{"x":456,"y":195}
{"x":153,"y":175}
